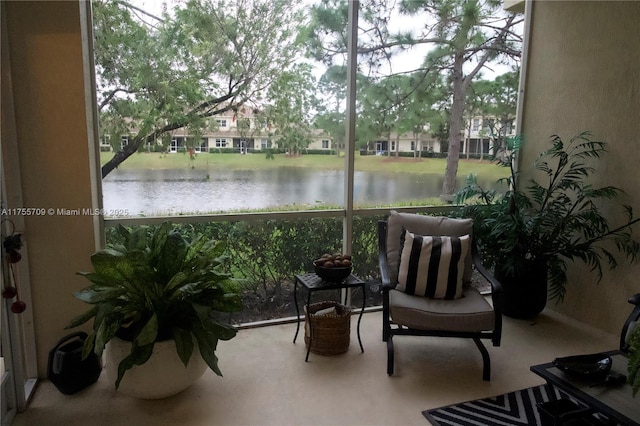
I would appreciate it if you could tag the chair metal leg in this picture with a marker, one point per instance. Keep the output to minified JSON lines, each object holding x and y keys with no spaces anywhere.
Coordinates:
{"x":390,"y":355}
{"x":486,"y":361}
{"x":386,"y":326}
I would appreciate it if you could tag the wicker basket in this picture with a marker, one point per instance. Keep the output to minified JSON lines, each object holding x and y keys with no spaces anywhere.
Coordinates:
{"x":331,"y":332}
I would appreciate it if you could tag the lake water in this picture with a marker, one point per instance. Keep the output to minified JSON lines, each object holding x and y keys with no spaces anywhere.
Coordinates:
{"x":171,"y":192}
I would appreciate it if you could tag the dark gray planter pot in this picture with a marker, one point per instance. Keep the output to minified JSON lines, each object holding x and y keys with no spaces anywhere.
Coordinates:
{"x":524,"y":293}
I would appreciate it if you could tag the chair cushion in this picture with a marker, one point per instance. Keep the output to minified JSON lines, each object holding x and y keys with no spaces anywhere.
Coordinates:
{"x":423,"y":225}
{"x":469,"y":313}
{"x":432,"y":266}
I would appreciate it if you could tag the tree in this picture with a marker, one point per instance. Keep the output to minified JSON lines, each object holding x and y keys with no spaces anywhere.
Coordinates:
{"x":465,"y":32}
{"x":479,"y":103}
{"x":495,"y":101}
{"x":423,"y":109}
{"x":330,"y":113}
{"x":505,"y":102}
{"x":381,"y":107}
{"x":461,"y":35}
{"x":291,"y":98}
{"x":204,"y":59}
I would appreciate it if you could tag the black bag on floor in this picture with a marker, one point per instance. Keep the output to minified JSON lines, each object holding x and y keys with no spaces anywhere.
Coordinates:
{"x":67,"y":370}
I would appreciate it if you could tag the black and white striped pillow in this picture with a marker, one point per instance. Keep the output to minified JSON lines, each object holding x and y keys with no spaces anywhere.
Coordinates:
{"x":432,"y":266}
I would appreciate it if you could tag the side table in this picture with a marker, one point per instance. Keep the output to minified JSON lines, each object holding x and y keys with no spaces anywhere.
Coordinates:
{"x":615,"y":402}
{"x":312,"y":283}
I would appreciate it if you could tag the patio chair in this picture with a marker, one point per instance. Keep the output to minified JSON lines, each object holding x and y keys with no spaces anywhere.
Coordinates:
{"x":422,"y":299}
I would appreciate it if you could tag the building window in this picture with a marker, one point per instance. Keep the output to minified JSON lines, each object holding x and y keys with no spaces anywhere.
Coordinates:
{"x":221,"y":122}
{"x":105,"y":141}
{"x":221,"y":143}
{"x":476,"y":125}
{"x":393,"y":145}
{"x":325,"y":144}
{"x":265,"y":143}
{"x":124,"y":141}
{"x":413,"y":145}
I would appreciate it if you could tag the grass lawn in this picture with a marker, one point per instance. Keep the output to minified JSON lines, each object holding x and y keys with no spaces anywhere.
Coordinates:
{"x":207,"y":161}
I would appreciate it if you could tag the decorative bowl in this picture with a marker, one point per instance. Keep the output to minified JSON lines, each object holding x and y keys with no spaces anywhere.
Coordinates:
{"x":335,"y":274}
{"x":585,"y":366}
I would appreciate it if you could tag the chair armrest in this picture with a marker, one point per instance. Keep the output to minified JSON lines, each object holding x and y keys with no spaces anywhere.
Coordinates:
{"x":382,"y":256}
{"x":496,"y":293}
{"x":384,"y":272}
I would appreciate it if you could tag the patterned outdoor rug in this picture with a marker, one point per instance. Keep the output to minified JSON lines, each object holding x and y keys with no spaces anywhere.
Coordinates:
{"x":511,"y":409}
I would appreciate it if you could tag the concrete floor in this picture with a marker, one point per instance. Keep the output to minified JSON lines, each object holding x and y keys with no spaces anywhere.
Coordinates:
{"x":267,"y":382}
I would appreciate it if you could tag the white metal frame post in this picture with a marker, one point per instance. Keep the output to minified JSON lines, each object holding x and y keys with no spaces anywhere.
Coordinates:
{"x":352,"y":58}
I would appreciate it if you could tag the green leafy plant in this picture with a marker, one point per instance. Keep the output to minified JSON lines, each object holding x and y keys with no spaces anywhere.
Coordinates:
{"x":155,"y":285}
{"x":556,"y":219}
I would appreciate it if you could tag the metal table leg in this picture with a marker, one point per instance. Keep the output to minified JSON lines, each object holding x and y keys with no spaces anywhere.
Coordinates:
{"x":364,"y":300}
{"x":310,"y":326}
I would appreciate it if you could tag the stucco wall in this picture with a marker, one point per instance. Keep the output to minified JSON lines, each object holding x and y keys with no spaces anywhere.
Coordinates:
{"x":584,"y":74}
{"x":54,"y":159}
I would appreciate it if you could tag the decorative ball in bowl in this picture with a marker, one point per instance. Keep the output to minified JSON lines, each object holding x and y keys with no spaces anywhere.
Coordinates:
{"x":333,"y":267}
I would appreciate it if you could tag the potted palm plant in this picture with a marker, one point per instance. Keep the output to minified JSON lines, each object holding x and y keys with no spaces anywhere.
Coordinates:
{"x":155,"y":289}
{"x":528,"y":236}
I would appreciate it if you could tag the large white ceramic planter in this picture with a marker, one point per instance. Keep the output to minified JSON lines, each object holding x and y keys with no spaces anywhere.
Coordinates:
{"x":161,"y":376}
